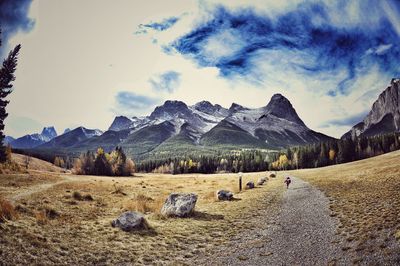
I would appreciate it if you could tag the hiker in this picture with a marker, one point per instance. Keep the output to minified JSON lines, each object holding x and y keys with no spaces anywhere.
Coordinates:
{"x":288,"y":181}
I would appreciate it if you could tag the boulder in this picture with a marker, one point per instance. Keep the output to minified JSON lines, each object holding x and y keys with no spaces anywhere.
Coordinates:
{"x":224,"y":195}
{"x":250,"y":185}
{"x":130,"y":221}
{"x":272,"y":175}
{"x":261,"y":181}
{"x":179,"y":204}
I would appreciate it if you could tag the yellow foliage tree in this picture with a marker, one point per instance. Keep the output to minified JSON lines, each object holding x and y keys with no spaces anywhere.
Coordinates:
{"x":332,"y":154}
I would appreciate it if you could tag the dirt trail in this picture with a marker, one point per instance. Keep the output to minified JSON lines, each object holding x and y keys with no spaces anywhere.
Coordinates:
{"x":26,"y":192}
{"x":301,"y":233}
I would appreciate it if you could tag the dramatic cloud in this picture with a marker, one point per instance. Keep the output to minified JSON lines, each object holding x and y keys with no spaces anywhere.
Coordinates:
{"x":166,"y":82}
{"x":158,"y":26}
{"x":309,"y":41}
{"x":13,"y":17}
{"x":131,"y":102}
{"x":331,"y":59}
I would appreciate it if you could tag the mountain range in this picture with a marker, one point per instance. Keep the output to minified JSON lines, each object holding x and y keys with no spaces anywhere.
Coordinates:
{"x":32,"y":140}
{"x":175,"y":128}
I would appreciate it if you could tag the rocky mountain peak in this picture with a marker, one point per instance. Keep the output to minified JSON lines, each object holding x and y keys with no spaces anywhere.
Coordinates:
{"x":204,"y":106}
{"x":209,"y":108}
{"x":281,"y":107}
{"x":236,"y":108}
{"x":120,"y":122}
{"x":49,"y":132}
{"x":388,"y":102}
{"x":384,"y":116}
{"x":170,"y":109}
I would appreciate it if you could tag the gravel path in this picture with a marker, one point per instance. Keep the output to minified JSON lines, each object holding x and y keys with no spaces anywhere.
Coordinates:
{"x":301,"y":233}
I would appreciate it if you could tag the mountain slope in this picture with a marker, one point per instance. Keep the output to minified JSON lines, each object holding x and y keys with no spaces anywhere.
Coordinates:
{"x":108,"y":141}
{"x":148,"y":138}
{"x":34,"y":140}
{"x":70,"y":138}
{"x":228,"y":134}
{"x":277,"y":124}
{"x":384,"y":116}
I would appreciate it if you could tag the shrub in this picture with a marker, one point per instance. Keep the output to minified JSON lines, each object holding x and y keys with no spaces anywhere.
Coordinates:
{"x":7,"y":210}
{"x":77,"y":195}
{"x":144,"y":204}
{"x":41,"y":217}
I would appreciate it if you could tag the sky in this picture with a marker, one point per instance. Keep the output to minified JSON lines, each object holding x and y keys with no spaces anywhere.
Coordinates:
{"x":84,"y":62}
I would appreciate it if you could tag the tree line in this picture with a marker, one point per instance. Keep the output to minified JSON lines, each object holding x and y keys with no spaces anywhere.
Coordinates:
{"x":309,"y":156}
{"x":315,"y":155}
{"x":243,"y":161}
{"x":101,"y":163}
{"x":335,"y":152}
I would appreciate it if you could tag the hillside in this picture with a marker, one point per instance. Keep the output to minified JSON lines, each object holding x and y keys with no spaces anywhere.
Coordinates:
{"x":35,"y":164}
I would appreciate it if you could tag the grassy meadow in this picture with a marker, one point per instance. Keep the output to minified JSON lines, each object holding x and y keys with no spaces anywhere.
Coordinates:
{"x":65,"y":219}
{"x":55,"y":217}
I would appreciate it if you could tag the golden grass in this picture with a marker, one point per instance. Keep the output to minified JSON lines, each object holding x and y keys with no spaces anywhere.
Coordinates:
{"x":82,"y":232}
{"x":364,"y":197}
{"x":41,"y":217}
{"x":397,"y":235}
{"x":7,"y":210}
{"x":35,"y":164}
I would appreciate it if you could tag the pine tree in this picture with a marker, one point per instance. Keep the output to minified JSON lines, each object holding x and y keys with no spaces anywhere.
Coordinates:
{"x":6,"y":78}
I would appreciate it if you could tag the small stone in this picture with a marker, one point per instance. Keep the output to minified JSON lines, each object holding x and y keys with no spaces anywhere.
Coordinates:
{"x":250,"y":185}
{"x":224,"y":195}
{"x":130,"y":221}
{"x":261,"y":181}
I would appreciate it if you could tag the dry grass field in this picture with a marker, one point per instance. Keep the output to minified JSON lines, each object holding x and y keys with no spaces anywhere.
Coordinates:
{"x":365,"y":197}
{"x":59,"y":218}
{"x":66,"y":219}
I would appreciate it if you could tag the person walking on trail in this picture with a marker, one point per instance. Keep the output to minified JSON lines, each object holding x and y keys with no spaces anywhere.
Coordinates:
{"x":287,"y":182}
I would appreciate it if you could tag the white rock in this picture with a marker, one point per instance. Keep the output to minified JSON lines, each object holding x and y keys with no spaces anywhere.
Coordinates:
{"x":179,"y":204}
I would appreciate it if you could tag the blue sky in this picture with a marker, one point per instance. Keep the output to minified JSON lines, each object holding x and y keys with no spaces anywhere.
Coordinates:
{"x":331,"y":59}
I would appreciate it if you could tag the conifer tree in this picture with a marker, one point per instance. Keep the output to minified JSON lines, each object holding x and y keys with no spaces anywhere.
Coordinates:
{"x":6,"y":78}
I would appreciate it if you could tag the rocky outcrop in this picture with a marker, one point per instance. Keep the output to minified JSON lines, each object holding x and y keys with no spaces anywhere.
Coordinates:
{"x":179,"y":205}
{"x":384,"y":116}
{"x":130,"y":221}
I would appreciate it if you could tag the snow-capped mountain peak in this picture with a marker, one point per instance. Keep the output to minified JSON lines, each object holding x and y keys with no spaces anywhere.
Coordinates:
{"x":281,"y":107}
{"x":49,"y":133}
